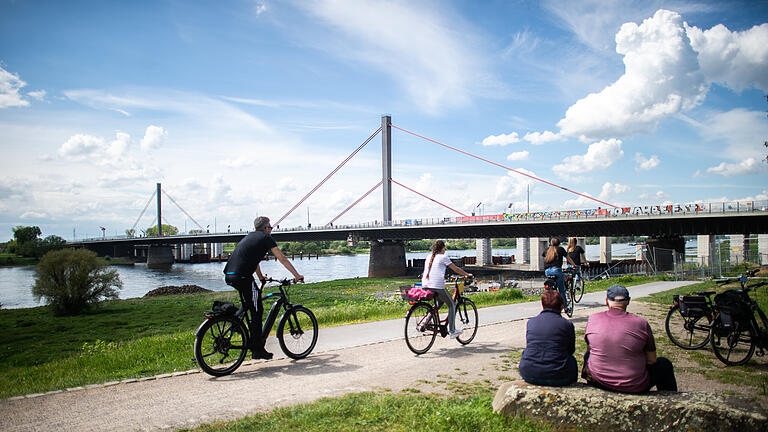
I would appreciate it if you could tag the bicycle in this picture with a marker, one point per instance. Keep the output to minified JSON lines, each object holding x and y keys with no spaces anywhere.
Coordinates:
{"x":551,"y":283}
{"x":689,"y":319}
{"x":222,"y":340}
{"x":423,"y":323}
{"x":574,"y":284}
{"x":735,"y":332}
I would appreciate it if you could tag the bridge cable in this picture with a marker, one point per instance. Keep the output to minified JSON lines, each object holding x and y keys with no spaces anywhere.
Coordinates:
{"x":355,"y":203}
{"x":419,"y":193}
{"x":183,"y":211}
{"x":338,"y":167}
{"x":506,"y":168}
{"x":142,"y":212}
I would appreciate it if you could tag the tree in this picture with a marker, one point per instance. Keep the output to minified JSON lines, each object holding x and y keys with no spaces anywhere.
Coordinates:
{"x":167,"y":230}
{"x":72,"y":280}
{"x":130,"y":232}
{"x":24,"y":234}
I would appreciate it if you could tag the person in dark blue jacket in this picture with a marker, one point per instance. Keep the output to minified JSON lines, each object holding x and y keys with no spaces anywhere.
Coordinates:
{"x":550,"y":342}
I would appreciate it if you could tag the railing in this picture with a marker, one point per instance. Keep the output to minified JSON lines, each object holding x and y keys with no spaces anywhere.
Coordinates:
{"x":619,"y":212}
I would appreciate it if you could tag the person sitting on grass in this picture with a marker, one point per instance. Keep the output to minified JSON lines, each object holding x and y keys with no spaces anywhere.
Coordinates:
{"x":550,"y":343}
{"x":621,"y":350}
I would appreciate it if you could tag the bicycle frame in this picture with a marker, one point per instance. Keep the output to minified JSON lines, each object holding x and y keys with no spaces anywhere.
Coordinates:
{"x":269,"y":320}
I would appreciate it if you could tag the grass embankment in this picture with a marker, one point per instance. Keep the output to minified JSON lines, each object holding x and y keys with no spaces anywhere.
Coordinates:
{"x":9,"y":259}
{"x":147,"y":336}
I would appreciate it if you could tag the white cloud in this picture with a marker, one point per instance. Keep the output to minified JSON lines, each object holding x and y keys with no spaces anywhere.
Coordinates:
{"x":608,"y":191}
{"x":501,"y":140}
{"x":697,"y":174}
{"x":740,"y":130}
{"x":514,"y":185}
{"x":427,"y":49}
{"x":239,"y":162}
{"x":39,"y":94}
{"x":33,"y":215}
{"x":10,"y":84}
{"x":119,"y":145}
{"x":747,"y":166}
{"x":521,"y":155}
{"x":646,"y":164}
{"x":153,"y":138}
{"x":659,"y":195}
{"x":600,"y":155}
{"x":538,"y":138}
{"x":737,"y":60}
{"x":81,"y":145}
{"x":661,"y":78}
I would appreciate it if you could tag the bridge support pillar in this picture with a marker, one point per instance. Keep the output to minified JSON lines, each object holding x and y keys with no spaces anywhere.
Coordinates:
{"x":664,"y":252}
{"x":160,"y":256}
{"x":762,"y":249}
{"x":523,"y":251}
{"x":484,"y":251}
{"x":538,"y":246}
{"x":704,"y":249}
{"x":387,"y":258}
{"x":739,"y":248}
{"x":639,"y":252}
{"x":605,"y":250}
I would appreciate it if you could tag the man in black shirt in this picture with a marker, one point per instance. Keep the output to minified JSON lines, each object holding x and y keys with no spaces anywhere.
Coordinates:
{"x":238,"y":273}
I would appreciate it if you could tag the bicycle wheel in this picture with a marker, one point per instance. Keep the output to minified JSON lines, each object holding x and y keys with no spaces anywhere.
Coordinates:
{"x":221,"y":345}
{"x":466,"y":319}
{"x":297,"y":332}
{"x":578,"y":290}
{"x":733,"y":347}
{"x":568,"y":304}
{"x":688,"y":333}
{"x":421,"y":328}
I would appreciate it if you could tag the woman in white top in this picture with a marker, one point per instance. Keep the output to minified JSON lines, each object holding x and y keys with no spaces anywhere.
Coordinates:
{"x":433,"y":279}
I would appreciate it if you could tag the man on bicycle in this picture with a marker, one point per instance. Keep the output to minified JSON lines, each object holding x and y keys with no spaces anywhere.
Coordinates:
{"x":238,"y":273}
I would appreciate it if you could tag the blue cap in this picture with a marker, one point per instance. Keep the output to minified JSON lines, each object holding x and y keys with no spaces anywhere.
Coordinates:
{"x":617,"y":293}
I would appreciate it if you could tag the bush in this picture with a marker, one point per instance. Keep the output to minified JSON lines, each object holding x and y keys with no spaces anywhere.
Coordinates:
{"x":72,"y":280}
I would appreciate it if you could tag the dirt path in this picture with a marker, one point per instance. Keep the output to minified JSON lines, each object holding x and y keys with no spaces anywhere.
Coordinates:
{"x":190,"y":399}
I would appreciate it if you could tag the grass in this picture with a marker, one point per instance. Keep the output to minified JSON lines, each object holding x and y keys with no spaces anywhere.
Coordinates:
{"x":10,"y":259}
{"x":407,"y":411}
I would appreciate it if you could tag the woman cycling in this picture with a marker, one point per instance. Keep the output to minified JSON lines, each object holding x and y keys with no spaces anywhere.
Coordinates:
{"x":433,"y":279}
{"x":553,"y":262}
{"x":576,"y":254}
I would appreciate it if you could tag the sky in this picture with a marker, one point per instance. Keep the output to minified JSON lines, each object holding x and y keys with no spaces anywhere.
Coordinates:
{"x":241,"y":107}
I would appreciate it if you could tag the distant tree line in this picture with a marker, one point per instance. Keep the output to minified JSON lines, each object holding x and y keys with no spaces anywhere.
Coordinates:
{"x":27,"y":242}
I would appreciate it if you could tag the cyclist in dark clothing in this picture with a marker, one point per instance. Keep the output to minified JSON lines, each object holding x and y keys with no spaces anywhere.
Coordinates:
{"x":576,"y":254}
{"x":239,"y":270}
{"x":553,"y":262}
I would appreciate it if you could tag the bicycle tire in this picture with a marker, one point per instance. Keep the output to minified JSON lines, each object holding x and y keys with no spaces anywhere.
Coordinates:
{"x":689,"y":333}
{"x":578,"y":290}
{"x":301,"y":337}
{"x":733,"y":347}
{"x":421,"y":327}
{"x":221,"y":344}
{"x":466,"y":319}
{"x":568,"y":303}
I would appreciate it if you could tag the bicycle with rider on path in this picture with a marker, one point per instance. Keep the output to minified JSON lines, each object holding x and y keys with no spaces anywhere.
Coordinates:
{"x":433,"y":279}
{"x":553,"y":261}
{"x":238,"y":273}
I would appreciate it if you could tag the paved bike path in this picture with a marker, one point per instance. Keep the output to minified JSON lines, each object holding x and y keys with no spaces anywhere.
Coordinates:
{"x":350,"y":358}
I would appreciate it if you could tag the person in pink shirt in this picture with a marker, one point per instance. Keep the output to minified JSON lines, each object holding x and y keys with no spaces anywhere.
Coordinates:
{"x":621,"y":350}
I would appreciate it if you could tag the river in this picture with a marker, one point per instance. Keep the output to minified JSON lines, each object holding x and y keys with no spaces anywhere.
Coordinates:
{"x":16,"y":282}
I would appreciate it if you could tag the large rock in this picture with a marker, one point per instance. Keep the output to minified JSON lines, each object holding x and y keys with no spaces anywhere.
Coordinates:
{"x":589,"y":408}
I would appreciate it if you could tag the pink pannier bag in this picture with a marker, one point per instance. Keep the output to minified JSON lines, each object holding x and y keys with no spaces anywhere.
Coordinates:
{"x":420,"y":294}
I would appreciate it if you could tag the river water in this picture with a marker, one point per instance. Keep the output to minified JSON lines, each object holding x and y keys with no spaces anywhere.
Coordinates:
{"x":16,"y":282}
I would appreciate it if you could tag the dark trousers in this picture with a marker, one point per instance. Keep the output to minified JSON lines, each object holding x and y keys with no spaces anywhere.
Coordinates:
{"x":662,"y":375}
{"x":252,"y":302}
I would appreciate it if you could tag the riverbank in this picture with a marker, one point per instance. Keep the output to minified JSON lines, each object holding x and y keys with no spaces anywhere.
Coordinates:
{"x":140,"y":337}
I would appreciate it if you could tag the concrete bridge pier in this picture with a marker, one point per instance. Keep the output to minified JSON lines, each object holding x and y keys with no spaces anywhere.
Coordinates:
{"x":762,"y":248}
{"x":538,"y":246}
{"x":523,"y":255}
{"x":662,"y":250}
{"x":484,"y":251}
{"x":159,"y":256}
{"x":738,"y":249}
{"x":605,"y":250}
{"x":387,"y":258}
{"x":704,"y":249}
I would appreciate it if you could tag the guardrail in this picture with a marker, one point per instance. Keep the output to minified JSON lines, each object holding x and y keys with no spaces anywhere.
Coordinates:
{"x":619,"y":212}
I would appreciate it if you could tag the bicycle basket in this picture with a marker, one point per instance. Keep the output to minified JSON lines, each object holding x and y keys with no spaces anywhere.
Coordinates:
{"x":221,"y":308}
{"x":732,"y":306}
{"x":693,"y":306}
{"x":420,"y":294}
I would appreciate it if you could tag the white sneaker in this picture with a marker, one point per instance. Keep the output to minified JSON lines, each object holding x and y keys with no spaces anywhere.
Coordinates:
{"x":456,"y":333}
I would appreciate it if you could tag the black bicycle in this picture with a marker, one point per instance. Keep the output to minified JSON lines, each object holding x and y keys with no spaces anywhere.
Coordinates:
{"x":423,"y":323}
{"x":689,"y":319}
{"x":573,"y":284}
{"x":221,"y":341}
{"x":551,"y":283}
{"x":739,"y":327}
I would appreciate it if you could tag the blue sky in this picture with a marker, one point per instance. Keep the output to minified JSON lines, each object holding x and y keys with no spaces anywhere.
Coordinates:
{"x":240,"y":107}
